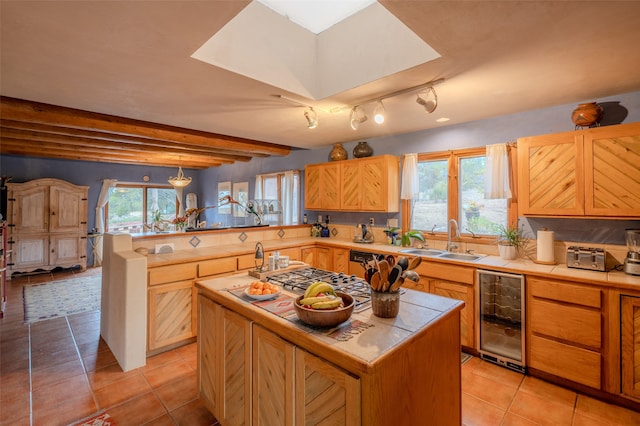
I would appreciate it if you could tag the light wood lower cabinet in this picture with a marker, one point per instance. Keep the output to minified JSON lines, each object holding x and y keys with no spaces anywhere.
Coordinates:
{"x":630,"y":345}
{"x":249,"y":375}
{"x":565,"y":324}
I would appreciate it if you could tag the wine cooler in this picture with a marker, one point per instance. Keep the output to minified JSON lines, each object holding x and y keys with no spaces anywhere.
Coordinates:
{"x":501,"y":333}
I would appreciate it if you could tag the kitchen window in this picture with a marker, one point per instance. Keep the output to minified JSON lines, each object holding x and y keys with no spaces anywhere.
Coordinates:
{"x":451,"y":185}
{"x":131,"y":207}
{"x":284,"y":189}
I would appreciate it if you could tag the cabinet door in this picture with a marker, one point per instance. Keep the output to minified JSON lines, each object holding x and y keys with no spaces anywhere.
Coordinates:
{"x":312,"y":186}
{"x":67,"y":250}
{"x":236,"y":368}
{"x":467,"y":315}
{"x":340,"y":260}
{"x":273,"y":379}
{"x":325,"y":394}
{"x":172,"y":313}
{"x":630,"y":323}
{"x":210,"y":355}
{"x":351,"y":194}
{"x":322,"y":186}
{"x":612,"y":170}
{"x":31,"y":251}
{"x":308,"y":255}
{"x":30,"y":210}
{"x":550,"y":175}
{"x":374,"y":175}
{"x":67,"y":210}
{"x":324,"y":258}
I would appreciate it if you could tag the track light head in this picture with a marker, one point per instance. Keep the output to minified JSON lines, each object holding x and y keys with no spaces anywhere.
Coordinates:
{"x":357,"y":117}
{"x":378,"y":114}
{"x":429,"y":104}
{"x":312,"y":118}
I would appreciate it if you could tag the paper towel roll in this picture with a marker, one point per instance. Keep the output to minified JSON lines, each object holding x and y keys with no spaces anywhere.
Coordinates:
{"x":545,"y":246}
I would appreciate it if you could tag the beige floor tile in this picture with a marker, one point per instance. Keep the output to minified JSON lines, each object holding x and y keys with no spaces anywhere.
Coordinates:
{"x":137,"y":411}
{"x":548,"y":390}
{"x":178,"y":392}
{"x":488,"y":390}
{"x":606,"y":413}
{"x":123,"y":390}
{"x":476,"y":412}
{"x":511,"y":419}
{"x":167,"y":372}
{"x":540,"y":410}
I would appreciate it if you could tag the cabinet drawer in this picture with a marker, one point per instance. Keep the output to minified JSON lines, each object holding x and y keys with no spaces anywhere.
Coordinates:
{"x":459,"y":274}
{"x":563,"y":292}
{"x":572,"y":363}
{"x":171,"y":273}
{"x":217,"y":266}
{"x":570,"y":323}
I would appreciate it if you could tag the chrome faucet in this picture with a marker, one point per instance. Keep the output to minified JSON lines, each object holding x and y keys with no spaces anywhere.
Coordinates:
{"x":450,"y":245}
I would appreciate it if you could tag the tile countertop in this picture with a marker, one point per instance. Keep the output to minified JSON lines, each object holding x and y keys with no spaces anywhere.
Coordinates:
{"x":525,"y":266}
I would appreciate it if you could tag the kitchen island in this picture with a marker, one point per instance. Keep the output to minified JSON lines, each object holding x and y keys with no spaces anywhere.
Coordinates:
{"x":257,"y":361}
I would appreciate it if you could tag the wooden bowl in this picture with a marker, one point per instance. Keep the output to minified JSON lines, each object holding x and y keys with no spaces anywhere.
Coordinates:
{"x":328,"y":317}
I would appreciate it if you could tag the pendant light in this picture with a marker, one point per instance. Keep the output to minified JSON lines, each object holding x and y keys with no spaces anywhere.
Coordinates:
{"x":181,"y":180}
{"x":378,"y":114}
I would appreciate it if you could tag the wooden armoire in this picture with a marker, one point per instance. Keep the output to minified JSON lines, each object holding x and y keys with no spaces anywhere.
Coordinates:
{"x":47,"y":225}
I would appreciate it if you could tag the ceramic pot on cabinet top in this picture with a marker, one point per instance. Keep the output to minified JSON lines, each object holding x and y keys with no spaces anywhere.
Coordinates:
{"x":362,"y":149}
{"x":338,"y":153}
{"x":587,"y":114}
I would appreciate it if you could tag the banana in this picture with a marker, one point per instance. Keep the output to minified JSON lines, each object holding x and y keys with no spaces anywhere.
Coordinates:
{"x":321,"y":287}
{"x":309,"y":301}
{"x":328,"y":304}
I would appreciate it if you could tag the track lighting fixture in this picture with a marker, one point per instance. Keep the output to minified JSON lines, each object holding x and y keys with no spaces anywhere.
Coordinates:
{"x":312,"y":118}
{"x":378,"y":114}
{"x":357,"y":117}
{"x":429,"y":104}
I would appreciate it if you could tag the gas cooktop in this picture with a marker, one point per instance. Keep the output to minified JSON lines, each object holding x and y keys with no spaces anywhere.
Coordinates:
{"x":298,"y":281}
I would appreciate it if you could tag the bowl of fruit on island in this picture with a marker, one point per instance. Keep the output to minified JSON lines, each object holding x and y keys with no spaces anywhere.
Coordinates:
{"x":322,"y":306}
{"x":260,"y":290}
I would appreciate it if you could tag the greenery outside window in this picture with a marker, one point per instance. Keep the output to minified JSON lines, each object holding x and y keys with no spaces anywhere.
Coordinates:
{"x":451,"y":186}
{"x":131,"y":207}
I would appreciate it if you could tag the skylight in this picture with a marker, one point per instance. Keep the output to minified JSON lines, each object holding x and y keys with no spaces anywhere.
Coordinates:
{"x":316,"y":15}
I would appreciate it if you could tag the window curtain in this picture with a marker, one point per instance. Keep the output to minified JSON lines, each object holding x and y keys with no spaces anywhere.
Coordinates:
{"x":410,"y":177}
{"x":287,"y":198}
{"x":257,"y":195}
{"x":497,"y":172}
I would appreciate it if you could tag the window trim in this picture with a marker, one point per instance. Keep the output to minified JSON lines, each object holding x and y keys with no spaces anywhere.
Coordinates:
{"x":144,"y":188}
{"x":453,"y":158}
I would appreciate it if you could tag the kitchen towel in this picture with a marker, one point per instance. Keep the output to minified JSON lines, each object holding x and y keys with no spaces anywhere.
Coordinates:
{"x":545,"y":246}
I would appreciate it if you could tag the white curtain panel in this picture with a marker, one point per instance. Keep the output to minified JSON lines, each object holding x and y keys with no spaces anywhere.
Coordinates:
{"x":496,"y":178}
{"x":257,"y":193}
{"x":410,"y":177}
{"x":179,"y":192}
{"x":103,"y":199}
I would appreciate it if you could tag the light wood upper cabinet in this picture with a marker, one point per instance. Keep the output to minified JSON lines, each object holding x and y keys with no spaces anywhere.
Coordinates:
{"x":322,"y":186}
{"x":612,"y":170}
{"x":364,"y":184}
{"x":592,"y":172}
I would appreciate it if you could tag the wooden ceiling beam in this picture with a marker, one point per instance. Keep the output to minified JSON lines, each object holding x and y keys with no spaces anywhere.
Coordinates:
{"x":35,"y":112}
{"x":84,"y":143}
{"x":130,"y":140}
{"x":72,"y":152}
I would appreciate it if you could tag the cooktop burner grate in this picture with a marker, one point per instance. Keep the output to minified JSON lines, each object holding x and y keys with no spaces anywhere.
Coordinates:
{"x":298,"y":281}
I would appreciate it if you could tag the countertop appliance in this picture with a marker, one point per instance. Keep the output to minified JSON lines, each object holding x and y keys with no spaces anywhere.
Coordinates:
{"x":501,"y":334}
{"x":589,"y":258}
{"x":632,"y":262}
{"x":298,"y":280}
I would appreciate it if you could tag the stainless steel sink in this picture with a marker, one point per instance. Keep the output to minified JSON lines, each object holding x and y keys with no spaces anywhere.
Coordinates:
{"x":460,"y":256}
{"x":422,"y":252}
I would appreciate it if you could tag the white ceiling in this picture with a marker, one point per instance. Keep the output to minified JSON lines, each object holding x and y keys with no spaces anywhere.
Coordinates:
{"x":133,"y":59}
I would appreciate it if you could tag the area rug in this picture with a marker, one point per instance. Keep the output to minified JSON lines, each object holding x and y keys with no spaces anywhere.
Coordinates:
{"x":98,"y":420}
{"x":61,"y":298}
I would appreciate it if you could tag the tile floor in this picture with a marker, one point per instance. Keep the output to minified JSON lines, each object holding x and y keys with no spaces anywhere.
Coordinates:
{"x":59,"y":371}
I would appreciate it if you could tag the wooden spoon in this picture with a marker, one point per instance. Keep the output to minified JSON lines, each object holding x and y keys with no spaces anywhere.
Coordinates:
{"x":384,"y":271}
{"x":411,"y":275}
{"x":415,"y":262}
{"x":376,"y":282}
{"x":396,"y":285}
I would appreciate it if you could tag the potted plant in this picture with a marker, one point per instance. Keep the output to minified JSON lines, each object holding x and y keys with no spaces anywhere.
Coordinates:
{"x":510,"y":241}
{"x":408,"y":236}
{"x":472,"y":210}
{"x":392,"y":235}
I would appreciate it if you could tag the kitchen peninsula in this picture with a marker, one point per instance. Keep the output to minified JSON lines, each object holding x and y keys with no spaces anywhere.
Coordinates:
{"x":256,"y":364}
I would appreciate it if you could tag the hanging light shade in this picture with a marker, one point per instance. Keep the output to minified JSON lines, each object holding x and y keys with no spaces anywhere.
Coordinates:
{"x":378,"y":114}
{"x":181,"y":180}
{"x":357,"y":117}
{"x":429,"y":103}
{"x":312,"y":117}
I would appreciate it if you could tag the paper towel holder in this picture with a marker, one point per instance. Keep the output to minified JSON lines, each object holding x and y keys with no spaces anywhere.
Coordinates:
{"x":544,"y":262}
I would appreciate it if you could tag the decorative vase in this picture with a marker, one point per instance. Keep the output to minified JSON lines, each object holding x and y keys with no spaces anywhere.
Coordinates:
{"x":362,"y":149}
{"x":508,"y":251}
{"x":587,"y":114}
{"x":338,"y":153}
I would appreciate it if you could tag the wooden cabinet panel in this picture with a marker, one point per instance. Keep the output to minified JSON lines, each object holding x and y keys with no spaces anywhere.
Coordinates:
{"x":31,"y":251}
{"x":29,"y":209}
{"x":223,"y":265}
{"x":68,"y":210}
{"x":570,"y":362}
{"x":322,"y":186}
{"x":236,"y":367}
{"x":66,"y":248}
{"x":340,"y":261}
{"x":572,"y":324}
{"x":630,"y":345}
{"x":467,"y":315}
{"x":172,"y":314}
{"x":612,"y":170}
{"x":210,"y":355}
{"x":550,"y":177}
{"x":308,"y":255}
{"x":273,"y":379}
{"x":325,"y":394}
{"x":324,"y":258}
{"x":351,"y":194}
{"x":459,"y":274}
{"x":167,"y":274}
{"x":565,"y":292}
